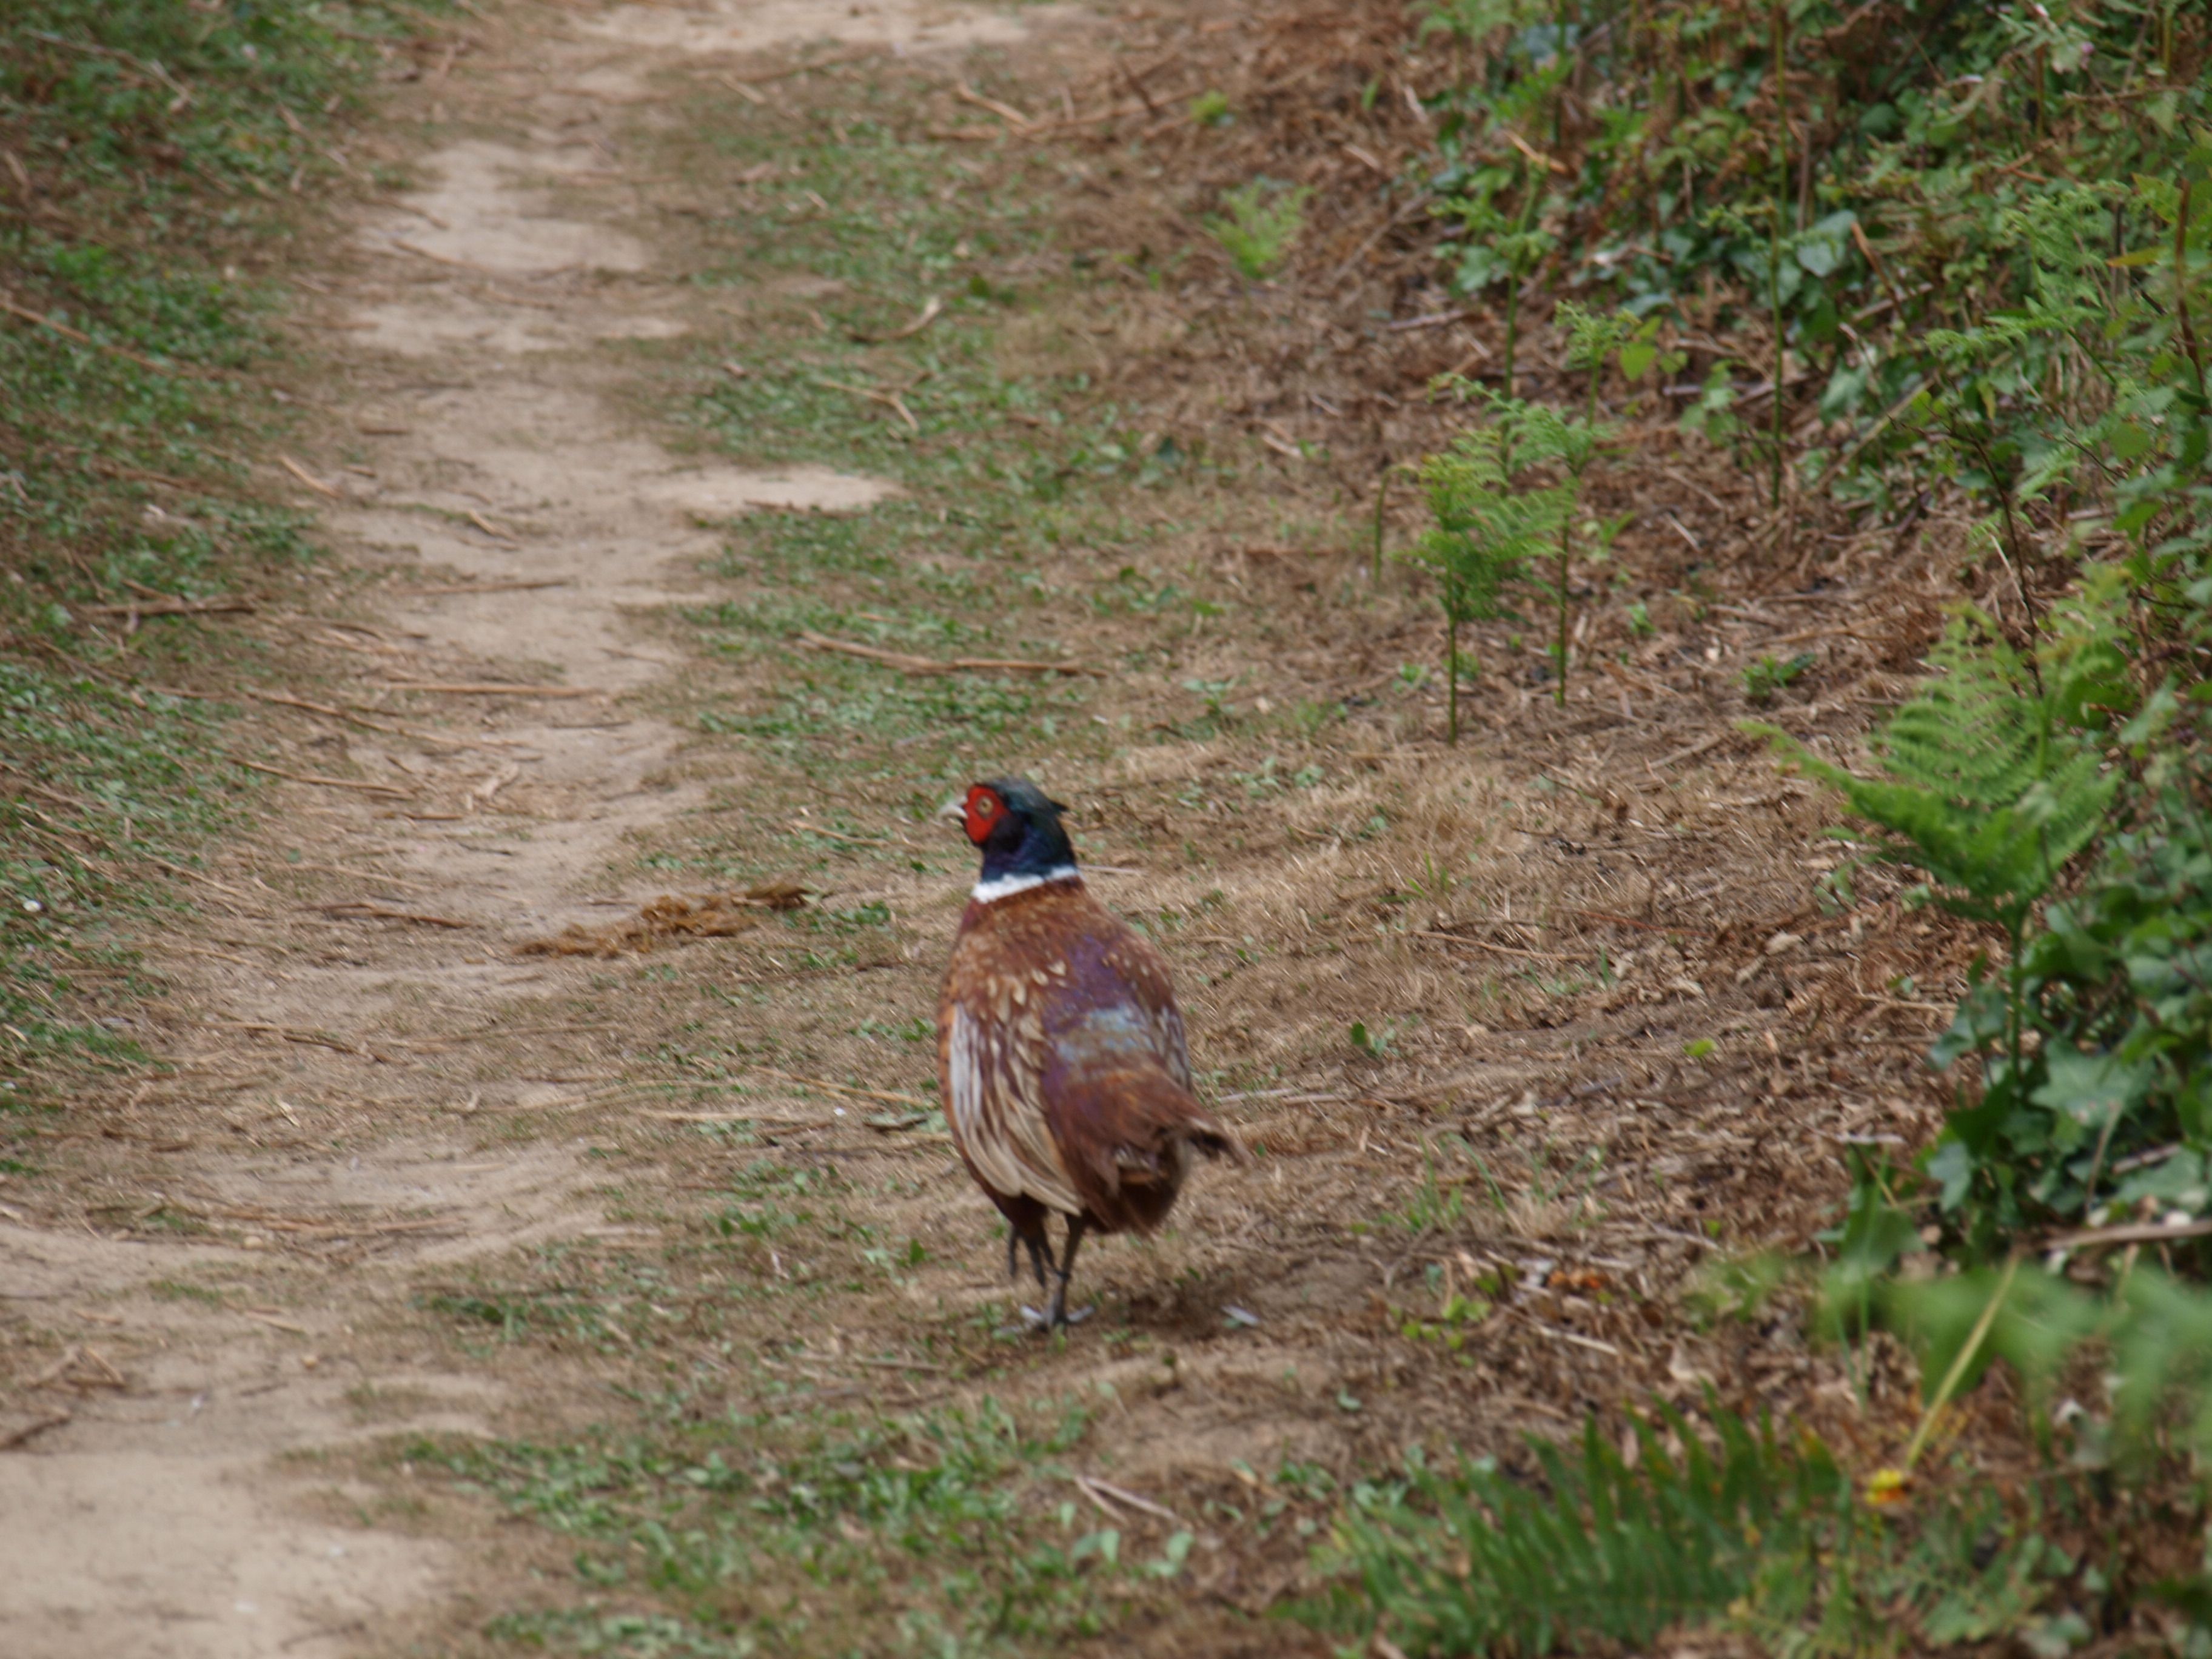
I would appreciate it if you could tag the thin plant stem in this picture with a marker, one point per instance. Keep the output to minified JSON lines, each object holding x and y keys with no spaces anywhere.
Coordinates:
{"x":1381,"y":489}
{"x":2181,"y":287}
{"x":2020,"y":562}
{"x":1567,"y":554}
{"x":1960,"y":1363}
{"x":2015,"y":989}
{"x":2012,"y":553}
{"x":1779,"y":17}
{"x":1567,"y":531}
{"x":1452,"y":679}
{"x":1497,"y":1196}
{"x":1514,"y":271}
{"x":2097,"y":1164}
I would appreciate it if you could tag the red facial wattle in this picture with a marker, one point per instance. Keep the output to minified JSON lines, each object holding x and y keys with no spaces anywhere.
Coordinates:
{"x":984,"y":810}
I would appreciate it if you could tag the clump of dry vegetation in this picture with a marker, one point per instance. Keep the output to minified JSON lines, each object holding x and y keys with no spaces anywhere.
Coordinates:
{"x":671,"y":917}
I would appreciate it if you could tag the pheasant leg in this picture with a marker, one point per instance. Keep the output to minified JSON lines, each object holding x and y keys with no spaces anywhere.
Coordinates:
{"x":1058,"y":1316}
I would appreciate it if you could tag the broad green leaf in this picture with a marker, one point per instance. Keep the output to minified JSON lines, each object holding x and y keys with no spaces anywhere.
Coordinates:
{"x":2091,"y":1088}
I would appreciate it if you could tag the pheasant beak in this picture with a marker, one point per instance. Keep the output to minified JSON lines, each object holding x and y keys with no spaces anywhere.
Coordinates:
{"x":954,"y":811}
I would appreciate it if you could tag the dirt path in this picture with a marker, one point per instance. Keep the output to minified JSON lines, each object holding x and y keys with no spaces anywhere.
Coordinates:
{"x":171,"y":1507}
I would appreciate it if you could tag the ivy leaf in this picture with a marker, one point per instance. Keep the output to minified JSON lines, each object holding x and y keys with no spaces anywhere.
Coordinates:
{"x":1952,"y":1166}
{"x":2091,"y":1088}
{"x":1819,"y":256}
{"x":2177,"y":1182}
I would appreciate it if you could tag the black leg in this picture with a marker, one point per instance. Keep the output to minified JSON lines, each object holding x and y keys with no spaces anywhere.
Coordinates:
{"x":1016,"y":1241}
{"x":1059,"y":1314}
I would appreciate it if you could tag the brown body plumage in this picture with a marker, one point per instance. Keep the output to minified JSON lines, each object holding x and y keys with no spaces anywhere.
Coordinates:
{"x":1063,"y":1060}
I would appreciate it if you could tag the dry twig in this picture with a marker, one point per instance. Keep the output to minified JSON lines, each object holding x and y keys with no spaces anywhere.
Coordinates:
{"x":330,"y":783}
{"x":900,"y":660}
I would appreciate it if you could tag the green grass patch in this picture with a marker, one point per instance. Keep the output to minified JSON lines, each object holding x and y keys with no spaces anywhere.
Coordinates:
{"x":947,"y":1531}
{"x":101,"y":779}
{"x":151,"y":151}
{"x":852,"y":234}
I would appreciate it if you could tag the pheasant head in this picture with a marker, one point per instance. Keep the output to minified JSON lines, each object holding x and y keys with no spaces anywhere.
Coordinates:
{"x":1016,"y":827}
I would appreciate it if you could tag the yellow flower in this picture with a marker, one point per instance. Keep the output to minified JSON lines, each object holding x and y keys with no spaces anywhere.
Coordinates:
{"x":1888,"y":1488}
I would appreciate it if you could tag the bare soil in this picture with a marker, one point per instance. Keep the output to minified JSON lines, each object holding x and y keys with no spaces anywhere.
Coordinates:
{"x":1609,"y":1031}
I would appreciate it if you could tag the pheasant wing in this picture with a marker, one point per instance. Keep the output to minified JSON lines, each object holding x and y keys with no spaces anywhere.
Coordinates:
{"x":996,"y":1055}
{"x":1144,"y":975}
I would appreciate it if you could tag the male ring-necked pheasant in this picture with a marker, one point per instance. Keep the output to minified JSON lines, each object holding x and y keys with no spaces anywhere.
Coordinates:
{"x":1066,"y":1072}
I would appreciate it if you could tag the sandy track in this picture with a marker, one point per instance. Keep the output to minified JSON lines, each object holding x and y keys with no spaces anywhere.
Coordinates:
{"x":177,"y":1512}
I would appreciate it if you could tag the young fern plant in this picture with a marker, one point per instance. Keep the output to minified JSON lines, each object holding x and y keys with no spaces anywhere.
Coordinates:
{"x":1547,"y":441}
{"x":1496,"y":246}
{"x":1995,"y":779}
{"x":1604,"y":1549}
{"x":1263,"y":221}
{"x":1488,"y":528}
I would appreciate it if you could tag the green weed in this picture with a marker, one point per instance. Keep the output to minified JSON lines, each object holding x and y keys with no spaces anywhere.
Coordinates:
{"x":1260,"y":224}
{"x":1435,"y":1208}
{"x":517,"y":1314}
{"x":1768,"y":675}
{"x":1466,"y":1559}
{"x":172,"y":1289}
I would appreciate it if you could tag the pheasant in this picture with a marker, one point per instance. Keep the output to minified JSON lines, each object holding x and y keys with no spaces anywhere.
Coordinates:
{"x":1060,"y":1048}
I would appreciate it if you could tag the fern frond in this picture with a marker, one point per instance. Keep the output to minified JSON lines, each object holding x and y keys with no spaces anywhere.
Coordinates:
{"x":2162,"y":1350}
{"x":1600,"y":1550}
{"x":1994,"y":782}
{"x":1975,"y":731}
{"x":1485,"y":531}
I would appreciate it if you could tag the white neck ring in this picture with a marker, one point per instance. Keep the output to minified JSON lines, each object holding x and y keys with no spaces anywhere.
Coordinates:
{"x":990,"y":892}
